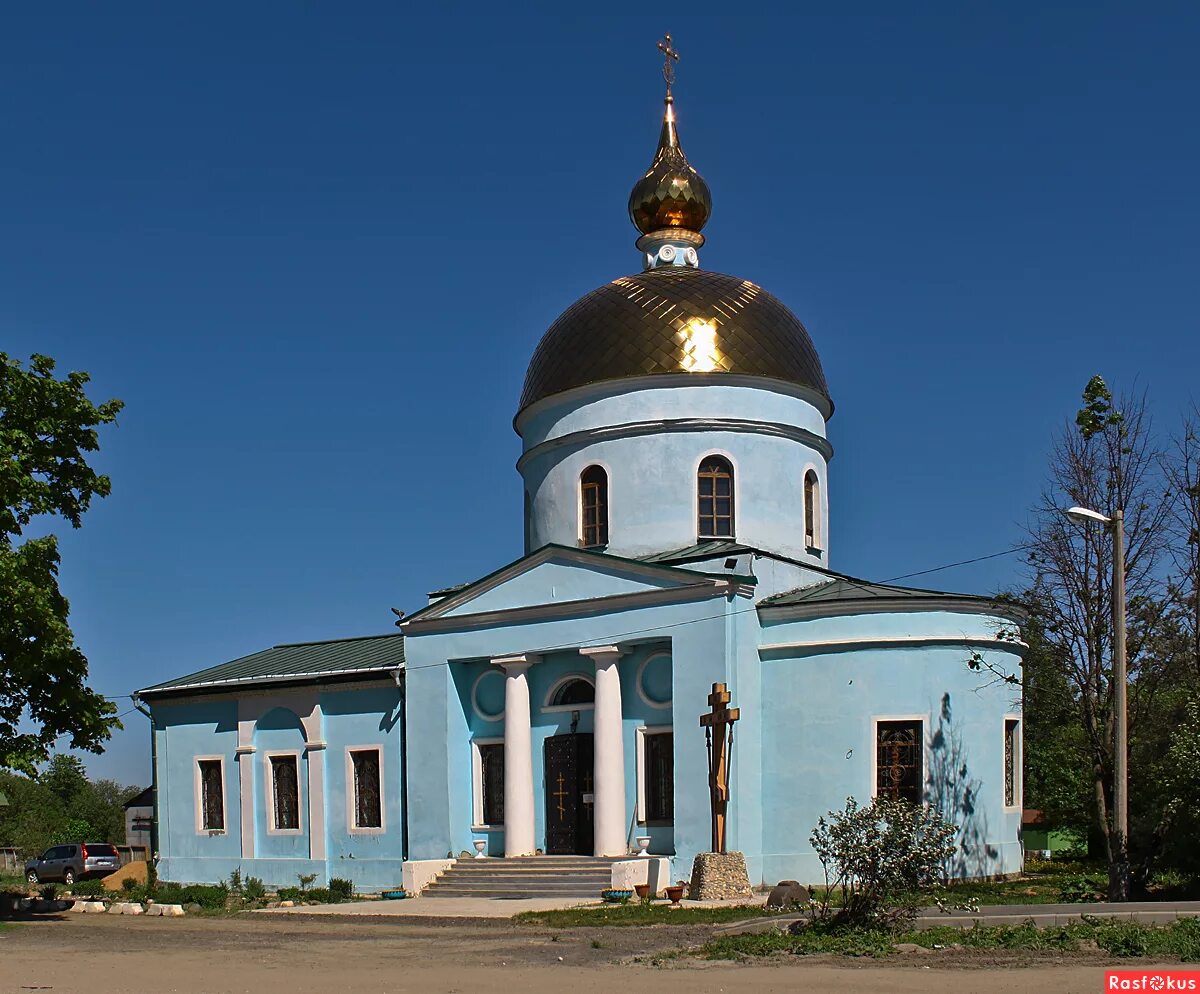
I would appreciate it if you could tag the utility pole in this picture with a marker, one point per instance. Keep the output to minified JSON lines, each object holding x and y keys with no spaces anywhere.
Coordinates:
{"x":1119,"y":887}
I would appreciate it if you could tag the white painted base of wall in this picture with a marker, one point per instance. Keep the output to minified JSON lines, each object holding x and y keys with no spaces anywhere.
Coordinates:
{"x":655,"y":871}
{"x":417,"y":874}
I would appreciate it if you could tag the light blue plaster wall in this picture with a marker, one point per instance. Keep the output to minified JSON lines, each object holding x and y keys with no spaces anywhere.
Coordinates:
{"x":353,"y":716}
{"x":818,"y":711}
{"x":652,"y":477}
{"x":355,"y":719}
{"x":561,"y":581}
{"x":183,"y":732}
{"x":279,"y":731}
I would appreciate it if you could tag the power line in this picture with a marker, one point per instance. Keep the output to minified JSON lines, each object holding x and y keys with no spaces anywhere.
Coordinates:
{"x":965,"y":562}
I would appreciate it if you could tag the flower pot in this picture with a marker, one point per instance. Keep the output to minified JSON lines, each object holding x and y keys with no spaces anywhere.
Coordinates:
{"x":615,"y":895}
{"x":642,"y":891}
{"x":480,"y":846}
{"x":643,"y":843}
{"x":675,"y":894}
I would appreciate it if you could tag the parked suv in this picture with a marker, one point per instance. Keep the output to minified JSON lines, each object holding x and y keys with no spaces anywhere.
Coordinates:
{"x":76,"y":861}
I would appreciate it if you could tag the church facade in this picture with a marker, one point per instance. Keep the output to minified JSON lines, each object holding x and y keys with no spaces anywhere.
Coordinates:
{"x":675,"y":466}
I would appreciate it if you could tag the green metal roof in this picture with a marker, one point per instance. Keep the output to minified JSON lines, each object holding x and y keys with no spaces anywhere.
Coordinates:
{"x":847,"y":588}
{"x":701,"y":550}
{"x":297,"y":661}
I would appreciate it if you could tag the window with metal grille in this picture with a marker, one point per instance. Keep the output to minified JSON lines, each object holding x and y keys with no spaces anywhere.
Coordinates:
{"x":212,"y":796}
{"x":714,"y":491}
{"x":898,"y":760}
{"x":285,"y":791}
{"x":811,"y":510}
{"x":570,"y":692}
{"x":593,"y":495}
{"x":1012,"y":762}
{"x":368,"y":809}
{"x":491,"y":765}
{"x":660,"y":777}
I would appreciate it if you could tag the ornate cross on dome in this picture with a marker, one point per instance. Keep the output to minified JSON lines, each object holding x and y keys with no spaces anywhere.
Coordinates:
{"x":670,"y":57}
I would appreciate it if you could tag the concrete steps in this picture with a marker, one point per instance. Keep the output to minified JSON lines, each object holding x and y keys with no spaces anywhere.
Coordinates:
{"x":524,"y":878}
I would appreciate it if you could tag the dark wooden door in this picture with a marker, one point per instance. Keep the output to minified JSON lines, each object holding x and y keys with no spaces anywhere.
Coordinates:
{"x":569,"y":789}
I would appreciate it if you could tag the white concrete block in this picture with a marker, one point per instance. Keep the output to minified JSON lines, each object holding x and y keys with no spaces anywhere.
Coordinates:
{"x":88,"y":907}
{"x":417,"y":874}
{"x":164,"y":910}
{"x":655,"y":871}
{"x":125,"y":908}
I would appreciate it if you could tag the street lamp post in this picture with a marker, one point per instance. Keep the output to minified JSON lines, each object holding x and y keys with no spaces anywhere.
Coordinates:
{"x":1119,"y":887}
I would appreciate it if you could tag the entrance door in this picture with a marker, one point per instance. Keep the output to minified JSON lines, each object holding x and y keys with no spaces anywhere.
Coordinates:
{"x":569,"y":795}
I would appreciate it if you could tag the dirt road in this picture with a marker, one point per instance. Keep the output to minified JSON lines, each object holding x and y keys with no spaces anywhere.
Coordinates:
{"x":105,"y":954}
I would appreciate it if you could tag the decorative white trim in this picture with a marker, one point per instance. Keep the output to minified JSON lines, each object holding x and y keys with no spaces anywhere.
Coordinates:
{"x":733,"y":494}
{"x":477,"y":822}
{"x":314,"y":746}
{"x":641,"y":690}
{"x":640,"y":734}
{"x":926,"y":721}
{"x":628,"y":384}
{"x":246,"y":750}
{"x":1018,"y":763}
{"x":352,"y":792}
{"x":608,"y":476}
{"x":269,"y":795}
{"x":885,"y":641}
{"x":548,"y":707}
{"x":198,"y":796}
{"x":475,"y":706}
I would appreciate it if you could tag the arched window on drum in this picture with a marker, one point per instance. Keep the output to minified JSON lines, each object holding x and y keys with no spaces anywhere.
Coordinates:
{"x":812,"y":511}
{"x":714,"y":498}
{"x":593,"y":507}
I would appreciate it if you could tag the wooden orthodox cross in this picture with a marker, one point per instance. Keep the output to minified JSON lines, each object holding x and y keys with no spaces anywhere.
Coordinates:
{"x":718,"y":734}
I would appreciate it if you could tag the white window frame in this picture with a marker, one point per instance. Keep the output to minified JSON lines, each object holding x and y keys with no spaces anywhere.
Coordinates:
{"x":269,"y":791}
{"x":640,"y":747}
{"x":199,"y":796}
{"x":477,"y":822}
{"x":876,"y":720}
{"x":352,"y":793}
{"x":549,"y":708}
{"x":1018,"y":763}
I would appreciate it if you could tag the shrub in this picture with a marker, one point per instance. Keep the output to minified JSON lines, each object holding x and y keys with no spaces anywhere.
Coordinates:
{"x":306,"y":881}
{"x":129,"y":885}
{"x":211,"y":897}
{"x":1080,"y":889}
{"x":254,"y":889}
{"x":88,"y":888}
{"x":48,"y":892}
{"x":235,"y":882}
{"x":319,"y":894}
{"x":290,"y":894}
{"x":341,"y":889}
{"x":879,"y":859}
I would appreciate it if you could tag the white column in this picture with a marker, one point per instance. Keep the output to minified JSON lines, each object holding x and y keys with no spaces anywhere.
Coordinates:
{"x":518,"y":757}
{"x":315,"y":752}
{"x":609,"y":753}
{"x":245,"y":761}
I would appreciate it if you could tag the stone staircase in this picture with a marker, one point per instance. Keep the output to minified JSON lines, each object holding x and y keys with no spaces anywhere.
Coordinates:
{"x":525,"y":877}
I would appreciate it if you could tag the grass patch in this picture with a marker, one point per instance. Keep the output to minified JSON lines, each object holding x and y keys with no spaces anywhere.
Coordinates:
{"x":639,"y":914}
{"x":1178,"y":940}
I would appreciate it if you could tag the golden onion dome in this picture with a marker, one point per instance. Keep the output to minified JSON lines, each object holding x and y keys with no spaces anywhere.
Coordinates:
{"x":671,"y":194}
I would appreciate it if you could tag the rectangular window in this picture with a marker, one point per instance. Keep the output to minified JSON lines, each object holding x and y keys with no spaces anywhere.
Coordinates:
{"x":898,"y":760}
{"x":368,"y":809}
{"x":1012,"y":762}
{"x":212,"y":796}
{"x":491,"y":769}
{"x":659,"y":777}
{"x":285,"y":793}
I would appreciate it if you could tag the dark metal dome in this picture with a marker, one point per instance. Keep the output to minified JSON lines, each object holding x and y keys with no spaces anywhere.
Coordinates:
{"x":673,"y":320}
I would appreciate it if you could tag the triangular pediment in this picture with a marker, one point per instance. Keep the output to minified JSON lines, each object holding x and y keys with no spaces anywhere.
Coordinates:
{"x":556,"y":575}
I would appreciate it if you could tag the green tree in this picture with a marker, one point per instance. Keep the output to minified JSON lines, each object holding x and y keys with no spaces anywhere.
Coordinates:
{"x":47,"y":426}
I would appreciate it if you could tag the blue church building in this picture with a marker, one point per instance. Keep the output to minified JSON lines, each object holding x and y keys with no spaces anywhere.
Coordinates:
{"x":675,"y":465}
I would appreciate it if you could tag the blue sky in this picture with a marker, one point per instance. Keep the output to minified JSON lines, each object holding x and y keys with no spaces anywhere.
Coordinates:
{"x":313,"y":247}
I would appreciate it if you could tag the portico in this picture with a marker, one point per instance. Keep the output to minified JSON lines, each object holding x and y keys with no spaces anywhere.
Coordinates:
{"x":607,"y":798}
